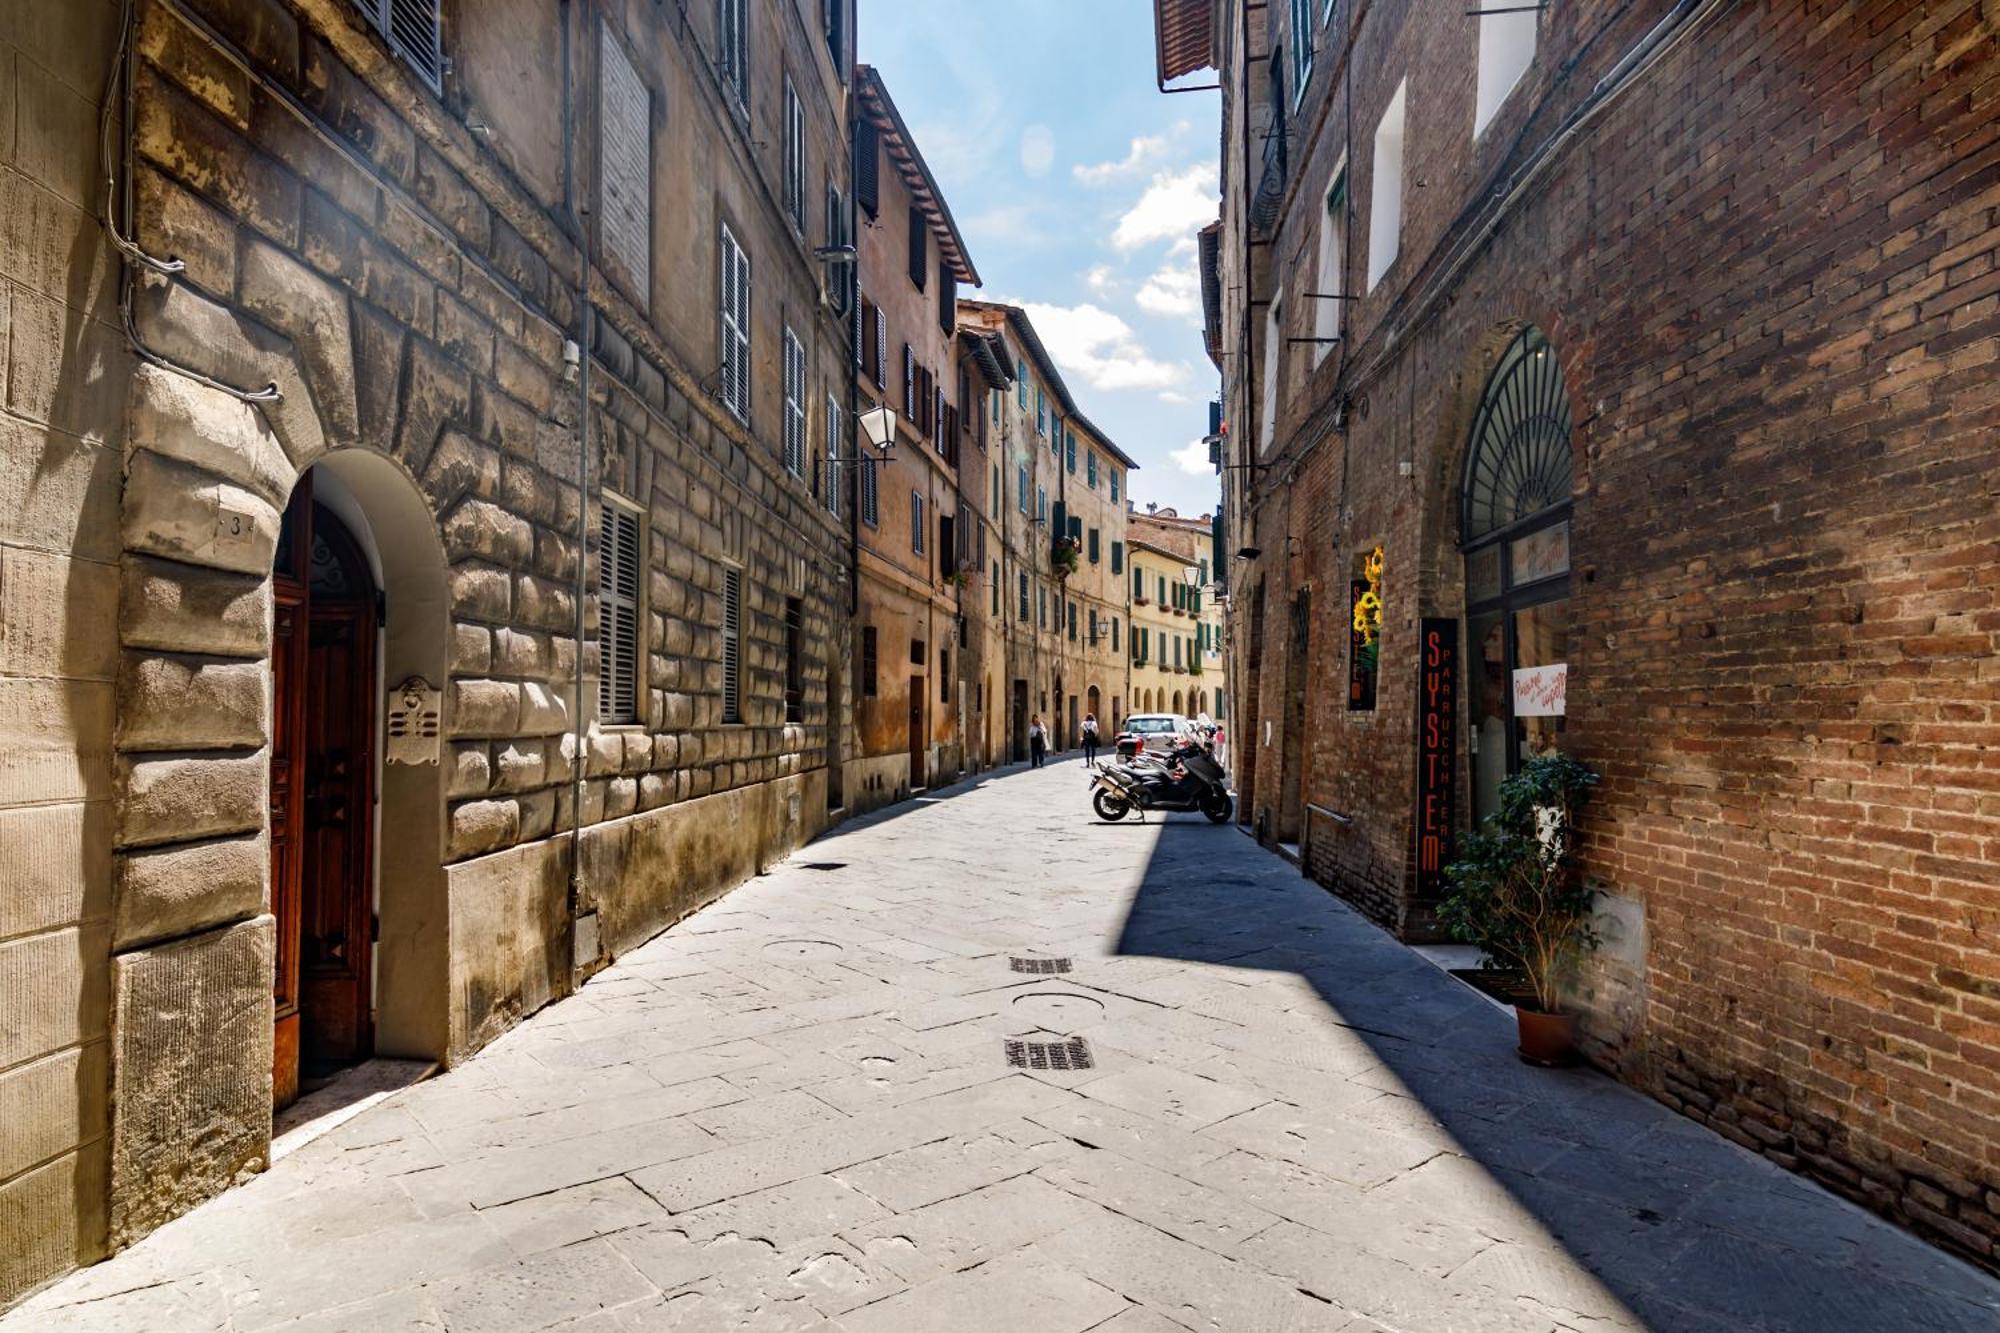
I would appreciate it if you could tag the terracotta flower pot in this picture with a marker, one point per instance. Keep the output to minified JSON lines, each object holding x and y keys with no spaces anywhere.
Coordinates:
{"x":1546,"y":1039}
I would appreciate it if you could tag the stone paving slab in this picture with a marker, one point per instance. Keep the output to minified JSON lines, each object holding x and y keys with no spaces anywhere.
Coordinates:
{"x":791,"y":1114}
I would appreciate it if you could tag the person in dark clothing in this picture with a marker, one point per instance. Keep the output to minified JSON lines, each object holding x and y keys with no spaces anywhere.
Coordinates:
{"x":1038,"y":742}
{"x":1090,"y":739}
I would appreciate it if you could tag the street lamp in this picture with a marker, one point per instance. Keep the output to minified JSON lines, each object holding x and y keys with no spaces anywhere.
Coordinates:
{"x":879,"y":425}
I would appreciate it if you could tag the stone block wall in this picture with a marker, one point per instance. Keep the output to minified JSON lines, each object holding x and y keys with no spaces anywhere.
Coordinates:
{"x":63,"y":367}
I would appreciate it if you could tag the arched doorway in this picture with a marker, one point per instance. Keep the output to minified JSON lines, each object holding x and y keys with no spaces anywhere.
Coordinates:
{"x":357,"y":816}
{"x":1178,"y":708}
{"x":1093,"y":705}
{"x":323,"y":772}
{"x":1514,"y":527}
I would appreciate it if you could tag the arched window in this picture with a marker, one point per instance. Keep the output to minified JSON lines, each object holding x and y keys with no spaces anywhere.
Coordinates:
{"x":1514,"y":524}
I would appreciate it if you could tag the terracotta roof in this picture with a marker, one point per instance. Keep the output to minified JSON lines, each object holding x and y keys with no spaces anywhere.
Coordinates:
{"x":901,"y":147}
{"x":1209,"y":244}
{"x":1185,"y":37}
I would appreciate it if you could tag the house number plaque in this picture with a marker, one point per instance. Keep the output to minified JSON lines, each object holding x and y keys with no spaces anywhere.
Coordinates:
{"x":414,"y":710}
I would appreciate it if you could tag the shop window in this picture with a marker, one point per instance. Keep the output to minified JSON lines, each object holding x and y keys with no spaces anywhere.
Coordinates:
{"x":1515,"y":525}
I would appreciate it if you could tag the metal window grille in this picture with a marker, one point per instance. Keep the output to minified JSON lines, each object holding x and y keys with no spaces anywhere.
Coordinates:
{"x":618,"y":561}
{"x":413,"y":31}
{"x":732,"y":645}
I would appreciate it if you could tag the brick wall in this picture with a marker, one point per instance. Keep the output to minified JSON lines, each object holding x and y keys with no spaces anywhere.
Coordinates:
{"x":1772,"y":275}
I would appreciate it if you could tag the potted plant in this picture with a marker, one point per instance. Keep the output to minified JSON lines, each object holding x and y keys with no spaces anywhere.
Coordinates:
{"x":1063,"y":557}
{"x":1517,"y":896}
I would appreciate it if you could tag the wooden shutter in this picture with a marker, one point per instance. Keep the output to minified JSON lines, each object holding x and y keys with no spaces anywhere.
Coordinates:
{"x":947,"y":297}
{"x":916,"y":522}
{"x":835,"y":447}
{"x":871,"y":511}
{"x":732,"y":645}
{"x":870,"y":662}
{"x":920,"y":249}
{"x":413,"y":32}
{"x":795,"y":681}
{"x":867,"y":168}
{"x":735,"y":327}
{"x":909,"y":385}
{"x":795,"y":406}
{"x":618,"y":562}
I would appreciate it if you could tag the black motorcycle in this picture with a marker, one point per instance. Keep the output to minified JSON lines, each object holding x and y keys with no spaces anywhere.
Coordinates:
{"x":1187,"y":779}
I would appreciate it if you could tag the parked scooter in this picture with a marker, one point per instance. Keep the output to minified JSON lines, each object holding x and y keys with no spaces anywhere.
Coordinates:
{"x":1188,"y":779}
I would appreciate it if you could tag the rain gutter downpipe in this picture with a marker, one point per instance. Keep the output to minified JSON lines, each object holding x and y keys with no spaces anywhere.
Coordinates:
{"x":580,"y":212}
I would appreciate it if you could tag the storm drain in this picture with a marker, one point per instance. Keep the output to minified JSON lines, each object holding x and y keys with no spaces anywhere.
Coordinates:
{"x":823,"y":865}
{"x":1039,"y":967}
{"x":1058,"y":1055}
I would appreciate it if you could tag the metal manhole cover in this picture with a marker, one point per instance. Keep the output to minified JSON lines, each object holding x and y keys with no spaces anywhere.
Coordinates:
{"x":1058,"y":1055}
{"x":1056,"y":1010}
{"x":1039,"y":967}
{"x":806,"y":949}
{"x":823,"y":865}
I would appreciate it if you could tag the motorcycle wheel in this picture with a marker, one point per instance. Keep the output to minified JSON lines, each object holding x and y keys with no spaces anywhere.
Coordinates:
{"x":1109,"y":808}
{"x":1219,"y":808}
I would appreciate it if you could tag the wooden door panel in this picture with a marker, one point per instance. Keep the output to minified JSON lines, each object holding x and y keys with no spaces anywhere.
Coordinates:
{"x":335,"y":916}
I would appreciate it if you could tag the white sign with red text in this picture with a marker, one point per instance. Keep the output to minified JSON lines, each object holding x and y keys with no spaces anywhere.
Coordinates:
{"x":1541,"y":691}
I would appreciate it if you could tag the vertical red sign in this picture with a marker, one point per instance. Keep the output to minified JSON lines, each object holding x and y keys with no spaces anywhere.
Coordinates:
{"x":1437,"y":751}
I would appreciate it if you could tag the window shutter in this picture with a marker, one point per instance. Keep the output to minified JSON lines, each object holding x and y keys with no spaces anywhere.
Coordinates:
{"x":881,"y":348}
{"x":947,"y":297}
{"x":916,"y":523}
{"x":920,"y":249}
{"x":743,"y":333}
{"x":867,"y":167}
{"x":871,"y":512}
{"x":732,"y":645}
{"x":909,"y":385}
{"x":728,"y":317}
{"x":860,"y":329}
{"x":795,"y":406}
{"x":412,"y":30}
{"x":618,"y":614}
{"x":835,"y":444}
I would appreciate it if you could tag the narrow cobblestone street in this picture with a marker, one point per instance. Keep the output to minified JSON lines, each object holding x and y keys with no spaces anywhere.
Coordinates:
{"x":794,"y":1112}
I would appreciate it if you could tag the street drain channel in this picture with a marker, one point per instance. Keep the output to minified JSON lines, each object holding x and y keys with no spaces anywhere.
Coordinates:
{"x":1039,"y":967}
{"x":1058,"y":1055}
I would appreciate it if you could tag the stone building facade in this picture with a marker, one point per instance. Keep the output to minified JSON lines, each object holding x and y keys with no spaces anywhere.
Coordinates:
{"x":908,"y":644}
{"x":447,"y":596}
{"x":1057,"y":479}
{"x":1177,"y":660}
{"x":985,"y":380}
{"x":1641,"y":360}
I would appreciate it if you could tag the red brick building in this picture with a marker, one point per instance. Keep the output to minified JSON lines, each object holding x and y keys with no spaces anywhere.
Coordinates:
{"x":1656,"y":349}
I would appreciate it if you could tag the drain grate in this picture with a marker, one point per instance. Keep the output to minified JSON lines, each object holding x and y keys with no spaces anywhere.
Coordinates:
{"x":823,"y":865}
{"x":1039,"y":967}
{"x":1058,"y":1055}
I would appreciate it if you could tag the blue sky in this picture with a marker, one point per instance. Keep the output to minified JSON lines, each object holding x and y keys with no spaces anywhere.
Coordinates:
{"x":1079,"y":188}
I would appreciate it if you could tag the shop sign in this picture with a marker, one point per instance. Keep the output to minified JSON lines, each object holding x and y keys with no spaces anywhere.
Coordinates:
{"x":1541,"y":691}
{"x":1437,"y":749}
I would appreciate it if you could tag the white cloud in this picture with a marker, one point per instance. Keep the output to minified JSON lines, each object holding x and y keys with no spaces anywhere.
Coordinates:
{"x":1176,"y":397}
{"x":1101,"y":280}
{"x":1193,"y":460}
{"x":1172,"y":292}
{"x":1038,"y":150}
{"x":1174,"y":205}
{"x":1144,"y":149}
{"x":1101,"y":349}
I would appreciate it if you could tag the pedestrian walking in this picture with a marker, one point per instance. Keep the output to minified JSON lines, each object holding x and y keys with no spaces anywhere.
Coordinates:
{"x":1038,"y":742}
{"x":1090,"y":739}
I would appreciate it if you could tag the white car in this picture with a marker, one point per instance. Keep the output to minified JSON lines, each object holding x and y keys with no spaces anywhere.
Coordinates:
{"x":1158,"y":732}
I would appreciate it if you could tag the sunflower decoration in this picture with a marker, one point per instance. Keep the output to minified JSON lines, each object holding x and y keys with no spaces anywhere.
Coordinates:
{"x":1368,"y":610}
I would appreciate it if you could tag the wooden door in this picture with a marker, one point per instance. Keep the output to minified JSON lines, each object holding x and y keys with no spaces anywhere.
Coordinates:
{"x":322,"y":794}
{"x":919,"y":747}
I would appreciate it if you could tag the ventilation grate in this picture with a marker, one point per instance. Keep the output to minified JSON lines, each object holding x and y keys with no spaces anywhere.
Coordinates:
{"x":1039,"y":967}
{"x":1058,"y":1055}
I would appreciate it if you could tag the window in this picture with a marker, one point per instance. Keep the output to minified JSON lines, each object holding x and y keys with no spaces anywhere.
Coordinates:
{"x":909,"y":385}
{"x":1041,"y":504}
{"x":618,"y":562}
{"x":1093,"y":546}
{"x":1114,"y":485}
{"x":947,"y":545}
{"x":733,"y":48}
{"x":1021,"y":490}
{"x":916,"y":523}
{"x":1024,"y":599}
{"x":795,"y":157}
{"x":947,"y":298}
{"x":834,"y":446}
{"x":732,"y":645}
{"x":1274,"y":351}
{"x":920,"y":247}
{"x":1514,"y":522}
{"x":944,"y":675}
{"x":1069,"y":447}
{"x":1138,"y":583}
{"x":842,"y":279}
{"x":833,"y":22}
{"x":1093,"y":625}
{"x":1114,"y":634}
{"x":996,"y":588}
{"x":735,"y":325}
{"x":411,"y":29}
{"x":1385,"y":186}
{"x":1021,"y":384}
{"x":1041,"y":606}
{"x":871,"y":683}
{"x":917,"y":652}
{"x":1332,"y":266}
{"x":795,"y":404}
{"x":625,"y":167}
{"x":1041,"y":412}
{"x":999,"y":497}
{"x":871,"y":509}
{"x":1302,"y":47}
{"x":1070,"y":620}
{"x":1506,"y":49}
{"x":1091,"y":469}
{"x":795,"y":686}
{"x":1118,"y":557}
